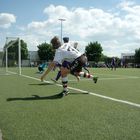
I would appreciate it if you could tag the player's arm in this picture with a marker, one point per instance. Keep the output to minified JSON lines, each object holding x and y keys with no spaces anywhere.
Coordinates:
{"x":50,"y":67}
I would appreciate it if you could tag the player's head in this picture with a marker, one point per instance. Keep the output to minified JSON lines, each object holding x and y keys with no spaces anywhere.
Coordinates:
{"x":66,"y":39}
{"x":55,"y":42}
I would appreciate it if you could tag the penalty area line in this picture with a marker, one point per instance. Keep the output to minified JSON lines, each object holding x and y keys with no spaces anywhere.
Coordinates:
{"x":91,"y":93}
{"x":119,"y":78}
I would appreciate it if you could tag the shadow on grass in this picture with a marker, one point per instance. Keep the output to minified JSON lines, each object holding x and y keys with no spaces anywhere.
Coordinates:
{"x":83,"y":93}
{"x":37,"y":97}
{"x":41,"y":84}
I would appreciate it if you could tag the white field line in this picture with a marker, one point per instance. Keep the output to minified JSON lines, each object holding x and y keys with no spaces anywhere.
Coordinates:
{"x":0,"y":135}
{"x":10,"y":72}
{"x":119,"y":78}
{"x":7,"y":73}
{"x":4,"y":74}
{"x":91,"y":93}
{"x":126,"y":76}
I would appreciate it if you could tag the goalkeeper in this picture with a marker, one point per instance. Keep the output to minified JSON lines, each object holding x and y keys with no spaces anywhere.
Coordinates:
{"x":41,"y":67}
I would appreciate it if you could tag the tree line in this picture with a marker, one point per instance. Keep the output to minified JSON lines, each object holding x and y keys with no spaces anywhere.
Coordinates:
{"x":46,"y":53}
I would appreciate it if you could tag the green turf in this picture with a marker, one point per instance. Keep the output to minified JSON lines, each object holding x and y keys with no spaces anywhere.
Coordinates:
{"x":33,"y":113}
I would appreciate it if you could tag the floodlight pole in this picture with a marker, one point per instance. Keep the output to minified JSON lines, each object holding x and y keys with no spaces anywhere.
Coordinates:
{"x":61,"y":20}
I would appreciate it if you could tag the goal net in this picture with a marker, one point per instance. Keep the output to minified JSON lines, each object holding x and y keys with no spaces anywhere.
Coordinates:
{"x":11,"y":56}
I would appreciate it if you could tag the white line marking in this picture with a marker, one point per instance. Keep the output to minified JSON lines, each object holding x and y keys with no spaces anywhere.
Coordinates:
{"x":7,"y":73}
{"x":91,"y":93}
{"x":126,"y":76}
{"x":0,"y":135}
{"x":119,"y":78}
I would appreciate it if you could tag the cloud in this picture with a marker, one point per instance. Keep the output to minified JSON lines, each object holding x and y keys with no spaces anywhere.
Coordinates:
{"x":55,"y":12}
{"x":117,"y":31}
{"x":79,"y":21}
{"x":42,"y":28}
{"x":125,"y":4}
{"x":6,"y":20}
{"x":37,"y":25}
{"x":93,"y":22}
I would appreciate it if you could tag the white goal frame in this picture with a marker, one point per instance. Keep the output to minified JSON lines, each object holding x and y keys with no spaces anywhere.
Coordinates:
{"x":14,"y":40}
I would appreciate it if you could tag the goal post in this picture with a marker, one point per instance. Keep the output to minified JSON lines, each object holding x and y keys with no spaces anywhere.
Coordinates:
{"x":9,"y":42}
{"x":19,"y":56}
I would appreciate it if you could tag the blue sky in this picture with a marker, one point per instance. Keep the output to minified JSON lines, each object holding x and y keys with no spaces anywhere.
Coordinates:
{"x":113,"y":23}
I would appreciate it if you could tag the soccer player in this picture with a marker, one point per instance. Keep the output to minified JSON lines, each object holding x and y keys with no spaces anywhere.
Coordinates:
{"x":77,"y":61}
{"x":76,"y":47}
{"x":65,"y":63}
{"x":65,"y":40}
{"x":113,"y":63}
{"x":41,"y":67}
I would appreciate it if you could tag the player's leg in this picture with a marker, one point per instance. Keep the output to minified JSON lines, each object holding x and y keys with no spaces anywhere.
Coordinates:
{"x":88,"y":75}
{"x":65,"y":64}
{"x":76,"y":69}
{"x":58,"y":75}
{"x":85,"y":68}
{"x":64,"y":73}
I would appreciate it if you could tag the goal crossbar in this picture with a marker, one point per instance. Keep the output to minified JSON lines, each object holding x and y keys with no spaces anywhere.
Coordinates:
{"x":11,"y":43}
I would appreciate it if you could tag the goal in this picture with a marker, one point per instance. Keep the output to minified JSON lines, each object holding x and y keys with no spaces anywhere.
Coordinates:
{"x":12,"y":56}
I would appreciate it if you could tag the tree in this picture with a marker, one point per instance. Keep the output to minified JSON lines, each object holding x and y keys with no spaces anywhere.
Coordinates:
{"x":106,"y":59}
{"x":13,"y":50}
{"x":137,"y":56}
{"x":94,"y":51}
{"x":45,"y":51}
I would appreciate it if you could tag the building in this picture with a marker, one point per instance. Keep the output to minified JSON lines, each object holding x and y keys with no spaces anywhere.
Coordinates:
{"x":33,"y":57}
{"x":127,"y":59}
{"x":129,"y":56}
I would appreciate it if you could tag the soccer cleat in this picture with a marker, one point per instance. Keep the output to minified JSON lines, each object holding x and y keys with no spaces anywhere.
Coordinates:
{"x":64,"y":93}
{"x":95,"y":79}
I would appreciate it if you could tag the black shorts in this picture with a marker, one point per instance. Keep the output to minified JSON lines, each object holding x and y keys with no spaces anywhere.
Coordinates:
{"x":77,"y":64}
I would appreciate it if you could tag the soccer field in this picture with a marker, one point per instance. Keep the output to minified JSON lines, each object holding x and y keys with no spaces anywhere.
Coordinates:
{"x":107,"y":110}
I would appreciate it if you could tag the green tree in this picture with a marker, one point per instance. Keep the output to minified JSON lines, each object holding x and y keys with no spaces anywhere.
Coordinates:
{"x":137,"y":56}
{"x":45,"y":51}
{"x":104,"y":58}
{"x":94,"y":51}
